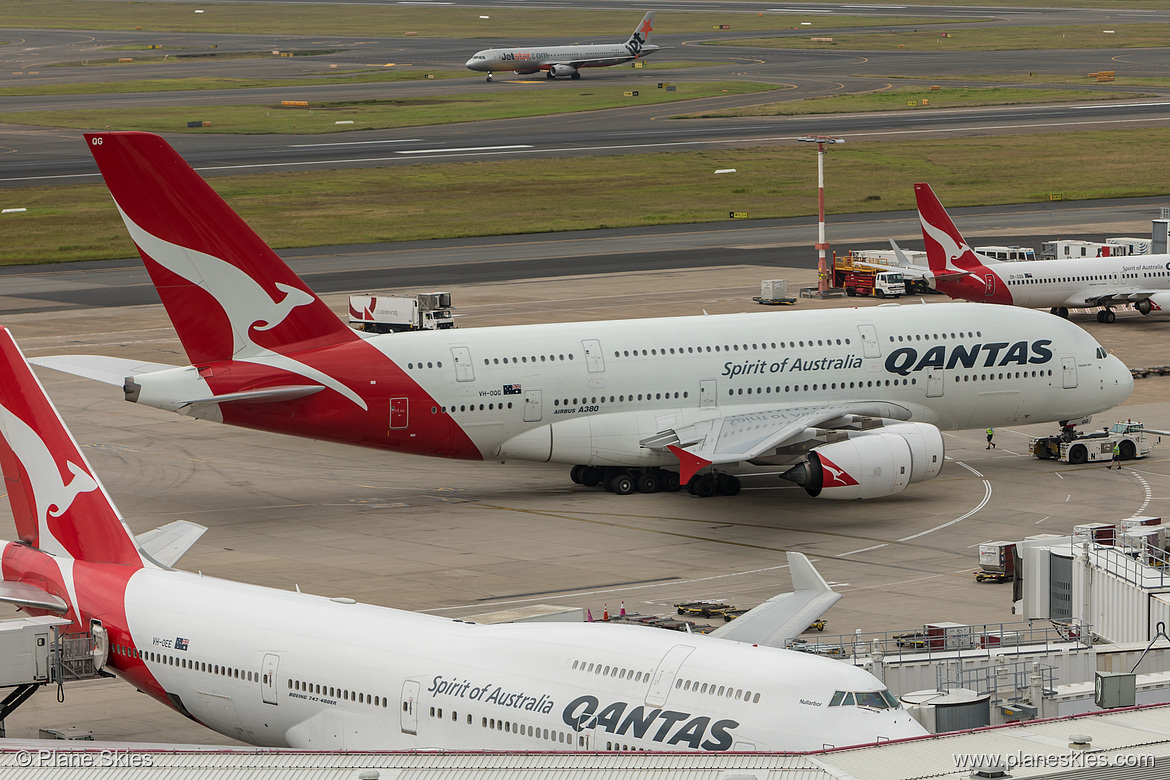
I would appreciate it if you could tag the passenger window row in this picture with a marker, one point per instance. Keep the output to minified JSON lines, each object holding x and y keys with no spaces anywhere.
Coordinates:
{"x":182,"y":662}
{"x":938,"y":336}
{"x":827,"y":386}
{"x":728,"y":692}
{"x":511,"y":727}
{"x":341,"y":694}
{"x":528,"y":359}
{"x":619,"y":399}
{"x":620,"y":673}
{"x":1007,"y":375}
{"x":726,"y":348}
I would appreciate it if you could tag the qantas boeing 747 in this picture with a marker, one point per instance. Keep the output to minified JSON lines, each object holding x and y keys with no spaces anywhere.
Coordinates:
{"x":1105,"y":283}
{"x":566,"y":60}
{"x":285,"y":668}
{"x":848,"y":403}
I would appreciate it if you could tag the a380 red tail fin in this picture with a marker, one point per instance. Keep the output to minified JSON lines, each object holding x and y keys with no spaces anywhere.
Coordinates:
{"x":945,"y":247}
{"x":59,"y":504}
{"x":226,"y":292}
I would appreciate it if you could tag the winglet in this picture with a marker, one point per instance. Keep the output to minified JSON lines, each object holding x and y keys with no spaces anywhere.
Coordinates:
{"x":688,"y":463}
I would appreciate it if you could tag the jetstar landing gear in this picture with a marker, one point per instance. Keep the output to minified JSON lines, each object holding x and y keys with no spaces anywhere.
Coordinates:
{"x":1106,"y":316}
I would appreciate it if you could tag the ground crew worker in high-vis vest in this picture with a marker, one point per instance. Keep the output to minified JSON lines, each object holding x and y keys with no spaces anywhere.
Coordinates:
{"x":990,"y":433}
{"x":1116,"y":456}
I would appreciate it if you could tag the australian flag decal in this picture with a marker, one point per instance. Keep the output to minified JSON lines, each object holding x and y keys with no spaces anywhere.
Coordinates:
{"x":180,"y":643}
{"x":512,"y":390}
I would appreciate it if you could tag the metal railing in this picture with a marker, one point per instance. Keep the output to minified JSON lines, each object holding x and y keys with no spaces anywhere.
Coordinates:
{"x":1016,"y":676}
{"x":74,"y":658}
{"x":1139,"y":563}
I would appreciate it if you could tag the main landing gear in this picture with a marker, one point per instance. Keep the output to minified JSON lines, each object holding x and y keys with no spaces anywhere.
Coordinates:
{"x":652,"y":480}
{"x":489,"y":78}
{"x":1059,"y":311}
{"x":1106,"y":316}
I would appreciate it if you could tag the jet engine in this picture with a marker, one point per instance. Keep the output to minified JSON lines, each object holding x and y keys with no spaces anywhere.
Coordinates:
{"x":871,"y":464}
{"x":1155,"y":304}
{"x":563,"y":70}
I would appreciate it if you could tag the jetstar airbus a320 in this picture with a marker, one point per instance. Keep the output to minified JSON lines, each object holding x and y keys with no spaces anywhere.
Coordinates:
{"x":566,"y":60}
{"x":285,"y":668}
{"x":848,"y":403}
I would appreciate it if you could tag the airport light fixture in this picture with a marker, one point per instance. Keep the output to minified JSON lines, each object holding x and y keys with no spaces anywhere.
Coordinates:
{"x":823,"y":274}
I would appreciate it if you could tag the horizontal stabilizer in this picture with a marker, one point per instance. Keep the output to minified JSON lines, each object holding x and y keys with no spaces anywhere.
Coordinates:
{"x":111,"y":370}
{"x":787,"y":615}
{"x":167,"y":544}
{"x":24,"y":595}
{"x":263,"y":396}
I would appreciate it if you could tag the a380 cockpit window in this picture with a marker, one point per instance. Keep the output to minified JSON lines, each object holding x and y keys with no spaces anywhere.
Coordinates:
{"x":878,"y":700}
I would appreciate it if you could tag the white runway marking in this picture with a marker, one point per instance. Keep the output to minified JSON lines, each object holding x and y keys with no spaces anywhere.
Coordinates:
{"x":960,"y":518}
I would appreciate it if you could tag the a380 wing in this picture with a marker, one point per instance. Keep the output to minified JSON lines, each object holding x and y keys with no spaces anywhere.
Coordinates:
{"x":743,"y":437}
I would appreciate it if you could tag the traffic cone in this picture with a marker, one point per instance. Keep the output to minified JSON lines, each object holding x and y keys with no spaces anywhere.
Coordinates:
{"x":623,"y":612}
{"x":588,"y":615}
{"x":605,"y":612}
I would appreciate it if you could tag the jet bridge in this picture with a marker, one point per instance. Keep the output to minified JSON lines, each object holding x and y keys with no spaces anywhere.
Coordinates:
{"x":36,"y":651}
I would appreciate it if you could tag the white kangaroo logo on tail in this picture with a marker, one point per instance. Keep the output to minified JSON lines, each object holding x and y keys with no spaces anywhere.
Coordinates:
{"x":951,"y":249}
{"x":242,"y":299}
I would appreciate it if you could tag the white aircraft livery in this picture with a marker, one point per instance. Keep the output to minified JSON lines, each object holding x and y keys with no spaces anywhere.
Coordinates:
{"x":1141,"y":281}
{"x":566,"y":60}
{"x":281,"y":668}
{"x":848,"y":403}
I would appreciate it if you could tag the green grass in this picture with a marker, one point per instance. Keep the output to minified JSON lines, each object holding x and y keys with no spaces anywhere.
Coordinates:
{"x":899,"y":100}
{"x":1125,"y":36}
{"x":498,"y":103}
{"x":467,"y":199}
{"x":1045,"y":78}
{"x":526,"y":24}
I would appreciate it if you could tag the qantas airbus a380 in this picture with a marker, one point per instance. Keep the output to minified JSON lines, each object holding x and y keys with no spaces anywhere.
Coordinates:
{"x":848,"y":403}
{"x":1140,"y":281}
{"x":285,"y":668}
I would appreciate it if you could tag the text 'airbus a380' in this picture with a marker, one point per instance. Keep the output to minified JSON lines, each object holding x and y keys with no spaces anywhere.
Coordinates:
{"x":286,"y":668}
{"x":566,"y":60}
{"x":848,"y":403}
{"x":1141,"y":281}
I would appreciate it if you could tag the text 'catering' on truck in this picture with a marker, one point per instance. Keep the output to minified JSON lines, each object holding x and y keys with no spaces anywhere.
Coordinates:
{"x":396,"y":314}
{"x":857,"y":278}
{"x":1071,"y":446}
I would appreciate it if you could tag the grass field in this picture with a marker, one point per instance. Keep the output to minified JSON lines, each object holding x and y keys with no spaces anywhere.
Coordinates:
{"x":1049,"y":78}
{"x":518,"y":24}
{"x":1124,"y":36}
{"x":899,"y":99}
{"x":478,"y":198}
{"x":379,"y":114}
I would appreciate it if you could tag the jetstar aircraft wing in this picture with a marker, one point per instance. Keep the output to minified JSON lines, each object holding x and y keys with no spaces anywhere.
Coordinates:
{"x":742,"y":437}
{"x":787,"y":615}
{"x":168,"y":543}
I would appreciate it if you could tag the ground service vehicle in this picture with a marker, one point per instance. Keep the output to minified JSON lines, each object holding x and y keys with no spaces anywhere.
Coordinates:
{"x":1132,"y":439}
{"x":395,"y":314}
{"x":857,"y":277}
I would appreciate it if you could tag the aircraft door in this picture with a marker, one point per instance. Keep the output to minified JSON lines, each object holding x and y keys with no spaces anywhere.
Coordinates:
{"x":663,"y":679}
{"x":934,"y":383}
{"x":594,"y":360}
{"x":399,"y":413}
{"x":869,"y":341}
{"x":409,"y":714}
{"x":532,"y":410}
{"x":268,"y":678}
{"x":707,"y":397}
{"x":1068,"y":364}
{"x":989,"y":285}
{"x":464,"y":371}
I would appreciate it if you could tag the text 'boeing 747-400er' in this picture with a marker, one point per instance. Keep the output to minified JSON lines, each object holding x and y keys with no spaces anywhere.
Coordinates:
{"x":1104,"y":283}
{"x":286,"y":668}
{"x":566,"y":60}
{"x":848,"y":403}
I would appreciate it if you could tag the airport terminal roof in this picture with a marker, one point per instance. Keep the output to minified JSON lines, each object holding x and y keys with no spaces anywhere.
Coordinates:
{"x":1133,"y":744}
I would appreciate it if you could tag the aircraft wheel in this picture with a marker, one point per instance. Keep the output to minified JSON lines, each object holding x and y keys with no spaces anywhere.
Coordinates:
{"x":489,"y":78}
{"x":550,"y":74}
{"x":622,"y":484}
{"x":576,"y":76}
{"x":1052,"y":310}
{"x":1127,"y":450}
{"x":1062,"y":311}
{"x":1110,"y":316}
{"x":575,"y":474}
{"x":1078,"y":455}
{"x":1101,"y":316}
{"x":728,"y":485}
{"x":647,"y":482}
{"x":705,"y":485}
{"x":670,"y":482}
{"x":591,"y":476}
{"x":691,"y":487}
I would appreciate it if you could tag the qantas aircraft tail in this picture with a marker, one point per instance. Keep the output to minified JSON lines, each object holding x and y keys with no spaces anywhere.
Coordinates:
{"x":946,"y":250}
{"x":227,"y":293}
{"x":59,"y":505}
